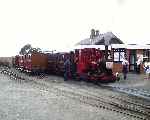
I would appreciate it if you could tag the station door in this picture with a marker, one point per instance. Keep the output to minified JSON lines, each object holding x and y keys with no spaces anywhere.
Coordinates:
{"x":132,"y":61}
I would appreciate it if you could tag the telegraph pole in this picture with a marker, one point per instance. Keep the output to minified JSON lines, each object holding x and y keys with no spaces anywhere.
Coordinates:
{"x":106,"y":52}
{"x":106,"y":40}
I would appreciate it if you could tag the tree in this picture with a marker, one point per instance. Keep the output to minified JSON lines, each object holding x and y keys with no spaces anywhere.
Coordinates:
{"x":28,"y":49}
{"x":35,"y":50}
{"x":25,"y":49}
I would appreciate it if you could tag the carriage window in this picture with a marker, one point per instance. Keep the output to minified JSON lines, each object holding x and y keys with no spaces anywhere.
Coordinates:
{"x":29,"y":56}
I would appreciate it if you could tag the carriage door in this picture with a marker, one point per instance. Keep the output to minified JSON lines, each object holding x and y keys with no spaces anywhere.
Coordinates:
{"x":132,"y":61}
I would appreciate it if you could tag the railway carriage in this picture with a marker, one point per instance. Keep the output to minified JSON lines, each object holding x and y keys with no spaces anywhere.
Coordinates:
{"x":37,"y":62}
{"x":56,"y":63}
{"x":20,"y":62}
{"x":33,"y":63}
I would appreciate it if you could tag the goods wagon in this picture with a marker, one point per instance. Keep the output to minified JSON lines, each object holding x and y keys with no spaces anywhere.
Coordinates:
{"x":36,"y":62}
{"x":56,"y":63}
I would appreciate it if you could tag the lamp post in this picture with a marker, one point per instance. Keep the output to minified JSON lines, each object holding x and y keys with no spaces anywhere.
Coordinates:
{"x":106,"y":52}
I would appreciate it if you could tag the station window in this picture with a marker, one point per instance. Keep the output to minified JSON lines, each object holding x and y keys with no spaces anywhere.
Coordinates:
{"x":146,"y":55}
{"x":119,"y":55}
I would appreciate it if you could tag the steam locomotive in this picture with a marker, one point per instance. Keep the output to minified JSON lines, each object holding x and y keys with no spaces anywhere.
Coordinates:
{"x":86,"y":64}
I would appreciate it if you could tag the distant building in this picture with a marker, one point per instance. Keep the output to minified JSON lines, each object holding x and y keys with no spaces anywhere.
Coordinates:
{"x":135,"y":54}
{"x":118,"y":51}
{"x":99,"y":39}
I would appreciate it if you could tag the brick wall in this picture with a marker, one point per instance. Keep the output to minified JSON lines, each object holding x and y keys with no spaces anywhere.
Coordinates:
{"x":140,"y":51}
{"x":117,"y":67}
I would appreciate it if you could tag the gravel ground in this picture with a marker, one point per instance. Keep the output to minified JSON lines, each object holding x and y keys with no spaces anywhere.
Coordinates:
{"x":26,"y":101}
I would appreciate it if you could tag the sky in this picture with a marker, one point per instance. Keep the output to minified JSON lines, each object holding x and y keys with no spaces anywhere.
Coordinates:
{"x":59,"y":24}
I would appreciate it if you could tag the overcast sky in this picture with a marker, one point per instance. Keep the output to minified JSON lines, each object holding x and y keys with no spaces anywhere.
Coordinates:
{"x":58,"y":24}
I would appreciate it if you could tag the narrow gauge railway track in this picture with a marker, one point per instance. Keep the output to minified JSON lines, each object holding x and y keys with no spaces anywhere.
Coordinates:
{"x":136,"y":99}
{"x":129,"y":90}
{"x":91,"y":99}
{"x":135,"y":91}
{"x":11,"y":74}
{"x":94,"y":101}
{"x":126,"y":102}
{"x":142,"y":92}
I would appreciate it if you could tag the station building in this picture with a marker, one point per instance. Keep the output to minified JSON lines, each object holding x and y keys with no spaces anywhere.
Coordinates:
{"x":118,"y":51}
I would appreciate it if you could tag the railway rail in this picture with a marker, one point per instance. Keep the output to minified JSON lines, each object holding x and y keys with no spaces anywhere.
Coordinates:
{"x":122,"y":106}
{"x":125,"y":102}
{"x":137,"y":92}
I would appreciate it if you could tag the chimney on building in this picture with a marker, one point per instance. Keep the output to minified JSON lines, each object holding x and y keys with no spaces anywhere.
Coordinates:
{"x":92,"y":34}
{"x":97,"y":33}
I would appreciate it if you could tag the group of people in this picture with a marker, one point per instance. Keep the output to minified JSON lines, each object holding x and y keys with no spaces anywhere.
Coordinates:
{"x":146,"y":67}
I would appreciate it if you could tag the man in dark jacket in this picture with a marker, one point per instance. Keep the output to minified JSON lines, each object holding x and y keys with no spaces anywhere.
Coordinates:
{"x":125,"y":70}
{"x":66,"y":69}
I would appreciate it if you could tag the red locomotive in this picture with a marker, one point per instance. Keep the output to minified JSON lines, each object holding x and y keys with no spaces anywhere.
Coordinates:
{"x":87,"y":64}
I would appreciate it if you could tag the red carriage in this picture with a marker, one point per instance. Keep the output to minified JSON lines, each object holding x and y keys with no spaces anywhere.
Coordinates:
{"x":35,"y":62}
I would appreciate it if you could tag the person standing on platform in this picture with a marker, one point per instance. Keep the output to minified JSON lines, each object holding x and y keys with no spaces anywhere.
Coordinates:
{"x":125,"y":64}
{"x":147,"y":69}
{"x":66,"y":69}
{"x":138,"y":64}
{"x":148,"y":72}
